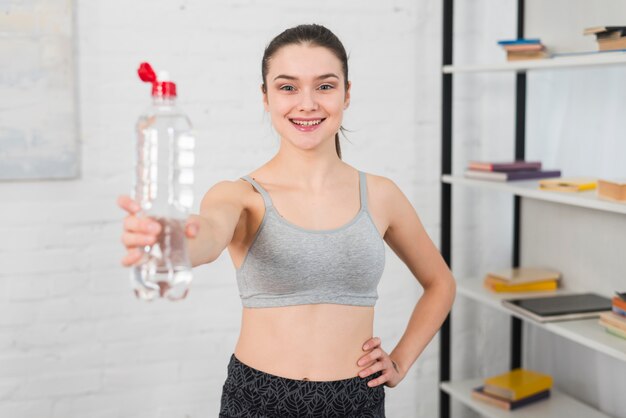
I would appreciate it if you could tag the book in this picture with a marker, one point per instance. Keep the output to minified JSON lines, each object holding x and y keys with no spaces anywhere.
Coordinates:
{"x":518,"y":165}
{"x":523,"y":47}
{"x":594,"y":30}
{"x":526,"y":55}
{"x":619,"y":303}
{"x":618,"y":332}
{"x":517,"y":384}
{"x":614,"y":320}
{"x":618,"y":311}
{"x":512,"y":175}
{"x":518,"y":275}
{"x":609,"y":44}
{"x":519,"y":41}
{"x":610,"y":34}
{"x":560,"y":307}
{"x":497,"y":286}
{"x":479,"y":394}
{"x":568,"y":184}
{"x":612,"y":189}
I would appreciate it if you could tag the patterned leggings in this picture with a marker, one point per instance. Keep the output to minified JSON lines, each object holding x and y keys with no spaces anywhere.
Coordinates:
{"x":251,"y":393}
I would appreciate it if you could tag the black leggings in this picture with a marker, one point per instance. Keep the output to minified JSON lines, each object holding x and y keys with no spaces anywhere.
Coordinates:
{"x":251,"y":393}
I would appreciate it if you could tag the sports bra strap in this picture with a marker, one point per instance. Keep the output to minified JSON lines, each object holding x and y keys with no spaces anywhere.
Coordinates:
{"x":266,"y":197}
{"x":363,"y":190}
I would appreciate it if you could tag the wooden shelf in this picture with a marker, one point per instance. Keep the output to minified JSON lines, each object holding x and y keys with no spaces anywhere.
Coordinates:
{"x":586,"y":332}
{"x":530,"y":189}
{"x":557,"y":406}
{"x":566,"y":61}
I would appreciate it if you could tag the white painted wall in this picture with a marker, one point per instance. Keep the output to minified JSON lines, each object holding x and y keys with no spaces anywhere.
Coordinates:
{"x":74,"y":342}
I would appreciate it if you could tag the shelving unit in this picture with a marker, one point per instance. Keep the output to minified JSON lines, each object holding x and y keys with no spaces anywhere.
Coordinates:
{"x":568,"y":61}
{"x":585,"y":332}
{"x":530,"y":188}
{"x":559,"y":404}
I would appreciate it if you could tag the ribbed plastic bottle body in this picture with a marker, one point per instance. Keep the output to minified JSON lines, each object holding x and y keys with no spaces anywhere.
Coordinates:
{"x":164,"y":189}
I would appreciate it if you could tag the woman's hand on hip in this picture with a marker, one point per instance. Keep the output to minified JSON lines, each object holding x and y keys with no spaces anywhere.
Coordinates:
{"x":377,"y":359}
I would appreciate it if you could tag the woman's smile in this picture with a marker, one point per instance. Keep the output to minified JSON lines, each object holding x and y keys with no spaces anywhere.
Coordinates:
{"x":306,"y":124}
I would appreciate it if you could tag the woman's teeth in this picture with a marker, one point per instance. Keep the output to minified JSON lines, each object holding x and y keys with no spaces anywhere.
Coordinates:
{"x":307,"y":122}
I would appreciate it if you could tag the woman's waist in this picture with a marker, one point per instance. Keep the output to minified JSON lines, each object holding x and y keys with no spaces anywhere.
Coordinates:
{"x":321,"y":344}
{"x":302,"y":361}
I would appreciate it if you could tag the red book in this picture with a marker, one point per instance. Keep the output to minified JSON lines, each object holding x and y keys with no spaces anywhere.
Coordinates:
{"x":505,"y":166}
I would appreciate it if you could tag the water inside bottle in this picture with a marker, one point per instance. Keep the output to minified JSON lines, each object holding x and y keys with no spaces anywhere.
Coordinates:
{"x":164,"y":270}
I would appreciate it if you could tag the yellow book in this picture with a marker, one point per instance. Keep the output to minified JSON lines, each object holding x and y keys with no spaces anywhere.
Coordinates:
{"x":497,"y":286}
{"x":568,"y":184}
{"x":519,"y":275}
{"x":517,"y":384}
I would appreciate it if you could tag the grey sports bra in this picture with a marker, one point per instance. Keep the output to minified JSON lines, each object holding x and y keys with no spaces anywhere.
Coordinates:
{"x":290,"y":265}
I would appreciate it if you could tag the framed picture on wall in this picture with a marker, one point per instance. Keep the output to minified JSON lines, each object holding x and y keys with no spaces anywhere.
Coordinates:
{"x":38,"y":121}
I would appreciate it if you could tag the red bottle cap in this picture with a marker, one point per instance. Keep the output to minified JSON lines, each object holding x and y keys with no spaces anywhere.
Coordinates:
{"x":161,"y":86}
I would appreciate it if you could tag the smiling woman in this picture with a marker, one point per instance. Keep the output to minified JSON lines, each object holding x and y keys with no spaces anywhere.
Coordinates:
{"x":300,"y":50}
{"x":306,"y":234}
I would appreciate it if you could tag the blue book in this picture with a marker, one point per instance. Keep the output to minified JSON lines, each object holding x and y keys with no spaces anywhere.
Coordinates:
{"x":619,"y":311}
{"x":520,"y":41}
{"x":480,"y":394}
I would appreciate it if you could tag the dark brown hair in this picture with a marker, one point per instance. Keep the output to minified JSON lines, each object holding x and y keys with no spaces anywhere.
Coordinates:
{"x":313,"y":34}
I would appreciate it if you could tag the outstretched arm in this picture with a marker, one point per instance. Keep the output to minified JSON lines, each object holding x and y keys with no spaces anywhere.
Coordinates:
{"x":220,"y":211}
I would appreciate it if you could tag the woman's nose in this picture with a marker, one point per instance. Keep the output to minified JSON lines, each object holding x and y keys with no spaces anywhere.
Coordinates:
{"x":307,"y":101}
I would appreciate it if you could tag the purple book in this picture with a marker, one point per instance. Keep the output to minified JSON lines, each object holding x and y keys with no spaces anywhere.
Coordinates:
{"x":512,"y":175}
{"x":505,"y":166}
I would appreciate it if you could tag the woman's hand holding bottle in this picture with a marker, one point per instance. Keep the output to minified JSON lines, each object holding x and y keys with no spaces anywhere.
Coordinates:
{"x":142,"y":231}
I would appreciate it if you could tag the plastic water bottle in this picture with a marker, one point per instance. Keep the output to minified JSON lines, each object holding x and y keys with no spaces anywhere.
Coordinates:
{"x":163,"y":188}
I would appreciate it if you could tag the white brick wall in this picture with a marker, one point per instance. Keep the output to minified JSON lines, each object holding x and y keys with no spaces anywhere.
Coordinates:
{"x":74,"y":342}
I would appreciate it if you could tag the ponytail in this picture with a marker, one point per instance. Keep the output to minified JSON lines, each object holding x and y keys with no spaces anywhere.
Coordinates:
{"x":337,"y":146}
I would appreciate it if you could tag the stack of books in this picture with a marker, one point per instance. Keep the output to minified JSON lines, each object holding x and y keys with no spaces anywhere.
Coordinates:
{"x":522,"y":279}
{"x":514,"y":389}
{"x":612,"y":189}
{"x":523,"y":49}
{"x":609,"y":38}
{"x":614,"y":322}
{"x":508,"y":170}
{"x":568,"y":184}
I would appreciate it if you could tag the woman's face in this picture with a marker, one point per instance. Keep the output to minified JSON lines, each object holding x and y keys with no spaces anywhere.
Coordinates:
{"x":306,"y":94}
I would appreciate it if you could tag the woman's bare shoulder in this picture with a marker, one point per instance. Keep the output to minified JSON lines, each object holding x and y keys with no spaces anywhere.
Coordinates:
{"x":236,"y":191}
{"x":381,"y":188}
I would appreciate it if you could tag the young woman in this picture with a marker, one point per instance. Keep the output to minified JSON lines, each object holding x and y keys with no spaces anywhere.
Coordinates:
{"x":305,"y":232}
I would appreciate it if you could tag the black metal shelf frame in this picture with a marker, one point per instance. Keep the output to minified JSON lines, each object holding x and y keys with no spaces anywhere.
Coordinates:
{"x":446,"y":191}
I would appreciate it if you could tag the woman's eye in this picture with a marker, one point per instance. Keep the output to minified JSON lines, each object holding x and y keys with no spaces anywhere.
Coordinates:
{"x":287,"y":88}
{"x":326,"y":86}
